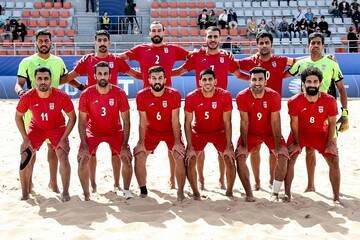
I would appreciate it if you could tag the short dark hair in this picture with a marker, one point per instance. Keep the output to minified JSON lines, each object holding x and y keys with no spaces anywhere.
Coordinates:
{"x":309,"y":71}
{"x":42,"y":69}
{"x":102,"y":32}
{"x":102,"y":64}
{"x":207,"y":71}
{"x":263,"y":34}
{"x":42,"y":32}
{"x":212,"y":28}
{"x":156,"y":68}
{"x":258,"y":70}
{"x":157,"y":22}
{"x":315,"y":35}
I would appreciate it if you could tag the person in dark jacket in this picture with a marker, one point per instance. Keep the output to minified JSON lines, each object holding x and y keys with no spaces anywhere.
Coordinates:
{"x":324,"y":26}
{"x":353,"y":41}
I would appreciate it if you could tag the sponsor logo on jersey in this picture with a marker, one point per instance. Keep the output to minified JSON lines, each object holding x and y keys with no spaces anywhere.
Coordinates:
{"x":51,"y":106}
{"x":321,"y":109}
{"x":265,"y":104}
{"x":214,"y":105}
{"x":111,"y":64}
{"x":166,"y":50}
{"x":222,"y":60}
{"x":164,"y":104}
{"x":111,"y":102}
{"x":273,"y":63}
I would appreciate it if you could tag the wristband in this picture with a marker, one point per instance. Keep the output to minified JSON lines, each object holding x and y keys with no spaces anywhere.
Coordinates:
{"x":344,"y":112}
{"x":21,"y":92}
{"x":81,"y":87}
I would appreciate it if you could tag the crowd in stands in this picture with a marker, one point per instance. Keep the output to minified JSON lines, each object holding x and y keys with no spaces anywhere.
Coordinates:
{"x":13,"y":28}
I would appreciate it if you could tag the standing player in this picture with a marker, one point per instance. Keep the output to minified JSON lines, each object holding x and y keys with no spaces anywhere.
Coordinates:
{"x":211,"y":107}
{"x":332,"y":76}
{"x":99,"y":121}
{"x":313,"y":124}
{"x":158,"y":107}
{"x":259,"y":108}
{"x":86,"y":66}
{"x":221,"y":63}
{"x":25,"y":74}
{"x":157,"y":53}
{"x":46,"y":104}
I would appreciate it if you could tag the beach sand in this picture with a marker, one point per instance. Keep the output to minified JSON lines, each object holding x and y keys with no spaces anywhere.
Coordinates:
{"x":159,"y":216}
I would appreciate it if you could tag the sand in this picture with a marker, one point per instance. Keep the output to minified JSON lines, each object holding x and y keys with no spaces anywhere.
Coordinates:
{"x":159,"y":216}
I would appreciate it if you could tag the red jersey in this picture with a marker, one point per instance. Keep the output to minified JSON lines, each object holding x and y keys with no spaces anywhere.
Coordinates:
{"x":47,"y":112}
{"x":165,"y":55}
{"x":274,"y":67}
{"x":86,"y":66}
{"x":158,"y":109}
{"x":312,"y":117}
{"x":208,"y":111}
{"x":259,"y":110}
{"x":103,"y":109}
{"x":220,"y":63}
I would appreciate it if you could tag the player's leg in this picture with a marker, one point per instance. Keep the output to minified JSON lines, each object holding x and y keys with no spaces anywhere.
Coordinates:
{"x":25,"y":176}
{"x":230,"y":174}
{"x":172,"y":170}
{"x":126,"y":172}
{"x":289,"y":177}
{"x":243,"y":172}
{"x":65,"y":172}
{"x":53,"y":167}
{"x":310,"y":167}
{"x":272,"y":167}
{"x":255,"y":165}
{"x":83,"y":173}
{"x":116,"y":165}
{"x":200,"y":169}
{"x":192,"y":176}
{"x":334,"y":175}
{"x":222,"y":172}
{"x":140,"y":172}
{"x":180,"y":174}
{"x":92,"y":173}
{"x":280,"y":172}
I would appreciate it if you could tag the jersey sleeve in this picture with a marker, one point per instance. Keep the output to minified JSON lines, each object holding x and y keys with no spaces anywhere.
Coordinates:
{"x":189,"y":104}
{"x":233,"y":66}
{"x":176,"y":100}
{"x":181,"y":53}
{"x":81,"y":67}
{"x":132,"y":54}
{"x":83,"y":102}
{"x":67,"y":104}
{"x":338,"y":75}
{"x":123,"y":101}
{"x":140,"y":103}
{"x":241,"y":102}
{"x":23,"y":104}
{"x":227,"y":102}
{"x":295,"y":69}
{"x":275,"y":102}
{"x":292,"y":108}
{"x":333,"y":109}
{"x":122,"y":64}
{"x":22,"y":71}
{"x":190,"y":63}
{"x":246,"y":64}
{"x":64,"y":69}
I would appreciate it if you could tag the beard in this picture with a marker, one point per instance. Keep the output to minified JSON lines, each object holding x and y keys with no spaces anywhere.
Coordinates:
{"x":43,"y":88}
{"x":103,"y":49}
{"x":212,"y":48}
{"x":312,"y":91}
{"x":157,"y":87}
{"x":156,"y":39}
{"x":45,"y":51}
{"x":103,"y":83}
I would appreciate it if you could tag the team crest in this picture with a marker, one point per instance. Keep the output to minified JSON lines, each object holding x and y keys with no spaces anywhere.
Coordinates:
{"x":166,"y":50}
{"x":111,"y":102}
{"x":222,"y":60}
{"x":323,"y":67}
{"x":321,"y":109}
{"x":265,"y":104}
{"x":214,"y":105}
{"x":273,"y":63}
{"x":164,"y":104}
{"x":51,"y":106}
{"x":111,"y":64}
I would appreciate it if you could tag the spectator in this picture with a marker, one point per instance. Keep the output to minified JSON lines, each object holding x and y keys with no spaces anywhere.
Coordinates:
{"x":312,"y":26}
{"x":284,"y":29}
{"x":92,"y":5}
{"x":19,"y":30}
{"x":354,"y":6}
{"x":273,"y":26}
{"x":352,"y":40}
{"x":227,"y":45}
{"x":105,"y":22}
{"x":294,"y":28}
{"x":262,"y":25}
{"x":8,"y":30}
{"x":232,"y":20}
{"x":203,"y":20}
{"x":356,"y":19}
{"x":3,"y":17}
{"x":212,"y":19}
{"x":223,"y":19}
{"x":344,"y":9}
{"x":252,"y":27}
{"x":309,"y":16}
{"x":303,"y":27}
{"x":299,"y":14}
{"x":324,"y":26}
{"x":130,"y":14}
{"x":334,"y":9}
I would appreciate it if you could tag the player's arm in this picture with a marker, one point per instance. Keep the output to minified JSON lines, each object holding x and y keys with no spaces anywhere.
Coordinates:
{"x":19,"y":120}
{"x":178,"y":147}
{"x":244,"y":126}
{"x":19,"y":86}
{"x":70,"y":79}
{"x":240,"y":75}
{"x":123,"y":55}
{"x":331,"y":130}
{"x":294,"y":127}
{"x":190,"y":151}
{"x":125,"y":149}
{"x":229,"y":152}
{"x":140,"y":146}
{"x":135,"y":74}
{"x":179,"y":71}
{"x":69,"y":127}
{"x":276,"y":128}
{"x":342,"y":92}
{"x":84,"y":149}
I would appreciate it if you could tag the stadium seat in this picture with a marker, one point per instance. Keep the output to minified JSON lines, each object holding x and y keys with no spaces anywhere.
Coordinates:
{"x":63,"y":23}
{"x":200,"y":5}
{"x":71,"y":33}
{"x":210,"y":5}
{"x":57,"y":5}
{"x":274,"y":4}
{"x":164,"y":14}
{"x":340,"y":50}
{"x":29,"y":5}
{"x":79,"y":52}
{"x":182,"y":5}
{"x":224,"y":32}
{"x":219,"y":4}
{"x":193,"y":23}
{"x":202,"y":32}
{"x":155,"y":5}
{"x":52,"y":31}
{"x":245,"y":42}
{"x":194,"y":32}
{"x":20,"y":5}
{"x":88,"y":52}
{"x":174,"y":32}
{"x":155,"y":14}
{"x":32,"y":23}
{"x":173,"y":5}
{"x":165,"y":22}
{"x":9,"y":5}
{"x":31,"y":32}
{"x":246,"y":51}
{"x":60,"y":33}
{"x":174,"y":23}
{"x":35,"y":14}
{"x":233,"y":32}
{"x":38,"y":5}
{"x":67,"y":52}
{"x":311,"y":3}
{"x":173,"y":14}
{"x":166,"y":32}
{"x":256,"y":5}
{"x":164,"y":5}
{"x":3,"y":52}
{"x":192,"y":14}
{"x":6,"y":43}
{"x":53,"y":23}
{"x":23,"y":52}
{"x":48,"y":5}
{"x":237,"y":4}
{"x":184,"y":32}
{"x":43,"y":23}
{"x":58,"y":43}
{"x":183,"y":14}
{"x":45,"y":14}
{"x":65,"y":14}
{"x":67,"y":5}
{"x":242,"y":32}
{"x":184,"y":23}
{"x":191,"y":5}
{"x":55,"y":14}
{"x":26,"y":14}
{"x":247,"y":4}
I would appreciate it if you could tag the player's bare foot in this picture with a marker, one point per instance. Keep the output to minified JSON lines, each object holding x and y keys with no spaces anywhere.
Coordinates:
{"x":274,"y":197}
{"x":249,"y":199}
{"x":337,"y":203}
{"x":25,"y":197}
{"x":256,"y":187}
{"x":172,"y":184}
{"x":201,"y":184}
{"x":286,"y":198}
{"x":117,"y":188}
{"x":197,"y":197}
{"x":222,"y":185}
{"x":310,"y":189}
{"x":93,"y":188}
{"x":229,"y":194}
{"x":65,"y":197}
{"x":142,"y":195}
{"x":180,"y":196}
{"x":54,"y":187}
{"x":86,"y":196}
{"x":270,"y":185}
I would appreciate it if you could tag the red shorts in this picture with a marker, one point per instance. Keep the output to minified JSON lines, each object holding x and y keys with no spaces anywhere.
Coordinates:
{"x":256,"y":140}
{"x":114,"y":141}
{"x":38,"y":136}
{"x":199,"y":141}
{"x":316,"y":141}
{"x":152,"y":139}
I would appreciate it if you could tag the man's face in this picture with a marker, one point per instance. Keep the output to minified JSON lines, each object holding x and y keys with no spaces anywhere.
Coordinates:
{"x":312,"y":85}
{"x":102,"y":76}
{"x":208,"y":82}
{"x":264,"y":46}
{"x":157,"y":81}
{"x":156,"y":33}
{"x":102,"y":43}
{"x":212,"y":39}
{"x":42,"y":81}
{"x":322,"y":19}
{"x":316,"y":46}
{"x":257,"y":83}
{"x":43,"y":44}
